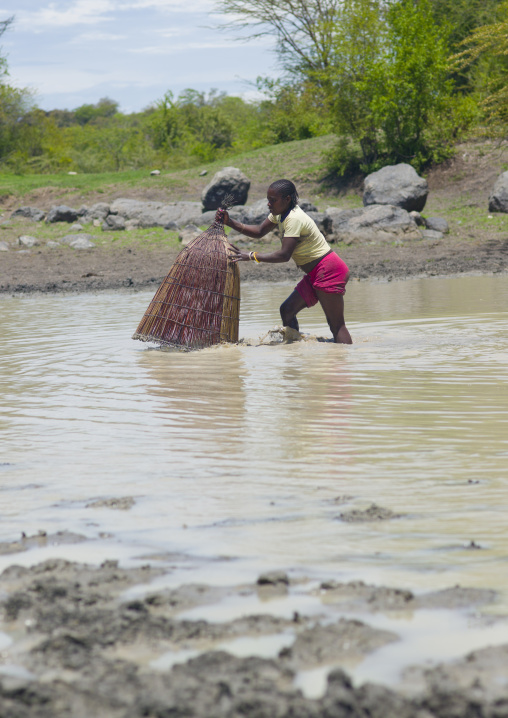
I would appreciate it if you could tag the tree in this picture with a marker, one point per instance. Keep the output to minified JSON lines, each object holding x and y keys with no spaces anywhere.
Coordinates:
{"x":103,"y":109}
{"x":490,"y":41}
{"x":4,"y":25}
{"x":392,"y":95}
{"x":304,"y":29}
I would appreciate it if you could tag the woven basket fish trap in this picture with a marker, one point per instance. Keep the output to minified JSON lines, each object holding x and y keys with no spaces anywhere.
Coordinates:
{"x":198,"y":303}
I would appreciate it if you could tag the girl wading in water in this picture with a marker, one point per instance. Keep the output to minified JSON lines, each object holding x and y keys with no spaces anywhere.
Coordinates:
{"x":326,"y":274}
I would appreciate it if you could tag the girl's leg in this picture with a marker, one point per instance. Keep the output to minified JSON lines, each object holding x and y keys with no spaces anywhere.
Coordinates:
{"x":333,"y":307}
{"x":290,"y":308}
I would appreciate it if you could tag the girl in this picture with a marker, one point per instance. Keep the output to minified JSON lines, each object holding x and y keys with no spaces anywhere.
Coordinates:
{"x":326,"y":274}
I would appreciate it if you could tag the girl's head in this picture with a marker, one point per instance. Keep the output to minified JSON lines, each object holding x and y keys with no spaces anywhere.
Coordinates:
{"x":282,"y":196}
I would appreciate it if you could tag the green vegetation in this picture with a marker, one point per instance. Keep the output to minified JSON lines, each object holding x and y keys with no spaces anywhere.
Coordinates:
{"x":372,"y":79}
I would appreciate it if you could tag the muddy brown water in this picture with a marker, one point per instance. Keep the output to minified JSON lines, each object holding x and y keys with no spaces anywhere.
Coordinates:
{"x":221,"y":464}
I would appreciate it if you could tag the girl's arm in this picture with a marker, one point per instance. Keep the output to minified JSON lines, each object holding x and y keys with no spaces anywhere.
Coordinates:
{"x":280,"y":255}
{"x":255,"y":231}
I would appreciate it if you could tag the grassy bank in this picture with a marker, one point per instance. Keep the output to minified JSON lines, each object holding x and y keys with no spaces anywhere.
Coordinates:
{"x":303,"y":160}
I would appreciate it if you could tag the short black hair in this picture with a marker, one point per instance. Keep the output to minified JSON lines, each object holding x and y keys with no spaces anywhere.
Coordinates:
{"x":285,"y":188}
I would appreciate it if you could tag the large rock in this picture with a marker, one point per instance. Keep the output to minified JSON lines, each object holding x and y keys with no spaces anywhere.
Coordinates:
{"x":323,"y":221}
{"x":27,"y":241}
{"x":307,"y":205}
{"x":155,"y":214}
{"x":498,"y":200}
{"x":376,"y":223}
{"x":397,"y":185}
{"x":257,"y":213}
{"x":99,"y":211}
{"x":205,"y":219}
{"x":113,"y":222}
{"x":188,"y":233}
{"x":437,"y":224}
{"x":78,"y":241}
{"x":62,"y":213}
{"x":33,"y":213}
{"x":229,"y":180}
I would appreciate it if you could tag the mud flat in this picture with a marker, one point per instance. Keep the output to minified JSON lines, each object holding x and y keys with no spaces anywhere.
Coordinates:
{"x":75,"y":643}
{"x":65,"y":270}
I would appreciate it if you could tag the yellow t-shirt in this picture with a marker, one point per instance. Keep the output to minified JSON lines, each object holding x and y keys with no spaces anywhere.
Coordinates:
{"x":311,"y":243}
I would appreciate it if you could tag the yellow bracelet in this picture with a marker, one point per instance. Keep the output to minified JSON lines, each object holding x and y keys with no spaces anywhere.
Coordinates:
{"x":254,"y":254}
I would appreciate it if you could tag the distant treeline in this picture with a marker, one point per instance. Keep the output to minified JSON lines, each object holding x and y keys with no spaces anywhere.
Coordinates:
{"x":401,"y":80}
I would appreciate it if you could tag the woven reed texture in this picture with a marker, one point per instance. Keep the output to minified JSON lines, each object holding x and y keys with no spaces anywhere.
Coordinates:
{"x":198,"y":303}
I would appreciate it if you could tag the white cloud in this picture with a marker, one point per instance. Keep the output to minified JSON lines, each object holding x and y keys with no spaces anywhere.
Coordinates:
{"x":212,"y":43}
{"x":81,"y":12}
{"x":190,"y":6}
{"x":97,"y":37}
{"x":176,"y":47}
{"x":91,"y":12}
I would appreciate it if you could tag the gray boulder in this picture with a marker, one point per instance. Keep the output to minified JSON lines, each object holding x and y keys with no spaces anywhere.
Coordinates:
{"x":155,"y":214}
{"x":171,"y":226}
{"x":82,"y":243}
{"x":257,"y":212}
{"x":418,"y":218}
{"x":323,"y":221}
{"x":201,"y":219}
{"x":307,"y":205}
{"x":62,"y":213}
{"x":205,"y":219}
{"x":397,"y":185}
{"x":437,"y":224}
{"x":76,"y":227}
{"x":432,"y":234}
{"x":99,"y":211}
{"x":188,"y":233}
{"x":498,"y":200}
{"x":78,"y":241}
{"x":229,"y":180}
{"x":4,"y":247}
{"x":33,"y":213}
{"x":113,"y":223}
{"x":377,"y":223}
{"x":26,"y":241}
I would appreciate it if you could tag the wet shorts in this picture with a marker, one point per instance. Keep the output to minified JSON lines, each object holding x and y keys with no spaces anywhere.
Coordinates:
{"x":329,"y":275}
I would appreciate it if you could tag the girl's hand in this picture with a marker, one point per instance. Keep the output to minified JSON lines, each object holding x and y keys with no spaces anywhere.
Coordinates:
{"x":236,"y":255}
{"x":222,"y":216}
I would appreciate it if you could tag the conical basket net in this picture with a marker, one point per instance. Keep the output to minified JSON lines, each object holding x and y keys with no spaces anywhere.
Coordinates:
{"x":198,"y":303}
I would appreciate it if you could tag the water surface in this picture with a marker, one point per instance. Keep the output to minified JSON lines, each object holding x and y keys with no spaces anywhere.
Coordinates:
{"x":242,"y":458}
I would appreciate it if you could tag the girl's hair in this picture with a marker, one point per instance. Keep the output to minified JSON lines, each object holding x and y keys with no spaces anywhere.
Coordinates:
{"x":285,"y":188}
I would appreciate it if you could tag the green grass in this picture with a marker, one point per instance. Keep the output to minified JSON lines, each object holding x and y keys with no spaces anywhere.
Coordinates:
{"x":303,"y":160}
{"x":20,"y":185}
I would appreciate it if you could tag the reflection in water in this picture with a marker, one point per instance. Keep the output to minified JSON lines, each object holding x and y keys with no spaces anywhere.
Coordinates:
{"x":251,"y":452}
{"x":202,"y":393}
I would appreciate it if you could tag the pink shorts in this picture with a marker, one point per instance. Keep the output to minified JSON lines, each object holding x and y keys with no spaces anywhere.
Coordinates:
{"x":329,"y":275}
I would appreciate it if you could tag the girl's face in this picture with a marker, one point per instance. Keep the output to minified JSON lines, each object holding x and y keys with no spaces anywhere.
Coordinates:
{"x":276,"y":203}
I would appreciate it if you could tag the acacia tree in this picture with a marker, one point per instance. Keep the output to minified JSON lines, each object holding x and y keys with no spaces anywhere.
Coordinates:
{"x":304,"y":29}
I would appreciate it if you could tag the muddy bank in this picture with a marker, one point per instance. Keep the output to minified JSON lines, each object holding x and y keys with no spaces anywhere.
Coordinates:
{"x":81,"y":647}
{"x":67,"y":270}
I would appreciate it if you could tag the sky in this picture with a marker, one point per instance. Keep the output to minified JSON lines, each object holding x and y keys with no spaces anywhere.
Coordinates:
{"x":77,"y":51}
